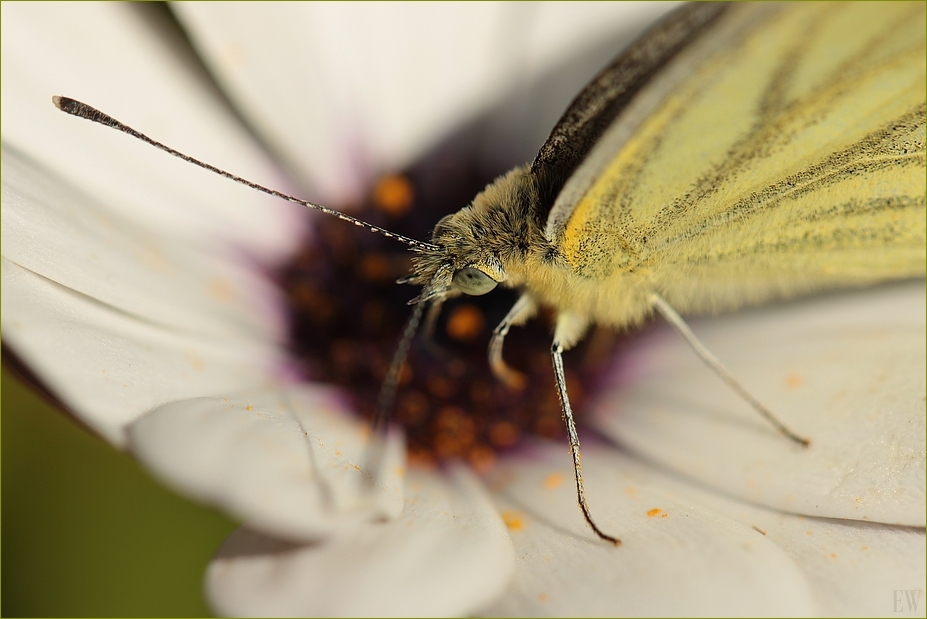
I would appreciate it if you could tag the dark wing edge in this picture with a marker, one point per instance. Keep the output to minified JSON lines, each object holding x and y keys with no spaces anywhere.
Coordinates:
{"x":596,"y":106}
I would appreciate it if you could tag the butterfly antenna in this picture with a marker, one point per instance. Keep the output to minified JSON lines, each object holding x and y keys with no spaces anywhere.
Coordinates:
{"x":82,"y":110}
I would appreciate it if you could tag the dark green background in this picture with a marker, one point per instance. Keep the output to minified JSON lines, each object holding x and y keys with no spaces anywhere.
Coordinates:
{"x":85,"y":531}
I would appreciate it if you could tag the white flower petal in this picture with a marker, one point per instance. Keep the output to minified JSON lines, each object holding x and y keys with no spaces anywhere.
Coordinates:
{"x":118,"y":57}
{"x":846,"y":370}
{"x":111,"y":367}
{"x":854,"y":568}
{"x":677,"y":557}
{"x":52,"y":229}
{"x":448,"y":554}
{"x":343,"y":91}
{"x":290,"y":459}
{"x":122,"y":291}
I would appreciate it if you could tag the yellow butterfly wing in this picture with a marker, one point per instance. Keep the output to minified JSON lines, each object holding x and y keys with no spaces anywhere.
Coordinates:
{"x":783,"y":152}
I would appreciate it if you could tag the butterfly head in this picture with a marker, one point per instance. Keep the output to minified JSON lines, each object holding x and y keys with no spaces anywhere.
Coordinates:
{"x":475,"y":245}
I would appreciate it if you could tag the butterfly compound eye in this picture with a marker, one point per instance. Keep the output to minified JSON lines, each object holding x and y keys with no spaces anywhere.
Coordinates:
{"x":472,"y":281}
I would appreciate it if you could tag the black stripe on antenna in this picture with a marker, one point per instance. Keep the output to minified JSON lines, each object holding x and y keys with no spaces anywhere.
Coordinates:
{"x":82,"y":110}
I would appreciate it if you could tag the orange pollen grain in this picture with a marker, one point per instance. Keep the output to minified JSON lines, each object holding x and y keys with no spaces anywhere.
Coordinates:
{"x":374,"y":268}
{"x":481,"y":458}
{"x":249,"y":408}
{"x":793,"y":380}
{"x":221,"y":290}
{"x":393,"y":195}
{"x":465,"y":323}
{"x":412,"y":407}
{"x":513,"y":520}
{"x":503,"y":434}
{"x":553,"y":480}
{"x":653,"y":512}
{"x":441,"y":386}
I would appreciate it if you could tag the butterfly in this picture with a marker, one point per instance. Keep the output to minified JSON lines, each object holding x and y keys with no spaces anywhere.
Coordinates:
{"x":734,"y":154}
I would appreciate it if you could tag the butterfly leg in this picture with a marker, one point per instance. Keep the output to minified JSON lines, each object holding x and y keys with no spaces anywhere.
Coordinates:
{"x":430,"y":325}
{"x":567,"y":331}
{"x":718,"y":368}
{"x":523,"y":309}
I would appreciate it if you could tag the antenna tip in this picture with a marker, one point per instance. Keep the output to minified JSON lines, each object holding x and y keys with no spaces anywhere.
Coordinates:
{"x":65,"y":104}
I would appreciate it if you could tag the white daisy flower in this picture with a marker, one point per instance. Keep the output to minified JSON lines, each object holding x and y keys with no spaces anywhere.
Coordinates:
{"x":135,"y":286}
